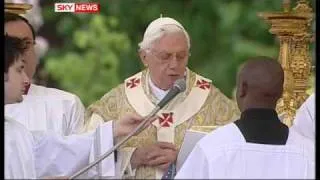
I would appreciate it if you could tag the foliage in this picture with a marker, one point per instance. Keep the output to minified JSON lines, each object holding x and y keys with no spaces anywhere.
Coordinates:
{"x":92,"y":63}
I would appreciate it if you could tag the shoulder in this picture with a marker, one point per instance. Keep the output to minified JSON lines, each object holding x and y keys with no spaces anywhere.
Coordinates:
{"x":111,"y":98}
{"x":42,"y":91}
{"x":118,"y":92}
{"x":215,"y":93}
{"x":309,"y":104}
{"x":53,"y":93}
{"x":311,"y":99}
{"x":108,"y":105}
{"x":225,"y":108}
{"x":221,"y":137}
{"x":113,"y":93}
{"x":305,"y":116}
{"x":308,"y":107}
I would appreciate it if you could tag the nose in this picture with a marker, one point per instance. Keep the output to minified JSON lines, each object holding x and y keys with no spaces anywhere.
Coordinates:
{"x":26,"y":79}
{"x":174,"y":62}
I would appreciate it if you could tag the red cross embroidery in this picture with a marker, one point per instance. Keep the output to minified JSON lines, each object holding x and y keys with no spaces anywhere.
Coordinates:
{"x":166,"y":120}
{"x":203,"y":84}
{"x":133,"y":83}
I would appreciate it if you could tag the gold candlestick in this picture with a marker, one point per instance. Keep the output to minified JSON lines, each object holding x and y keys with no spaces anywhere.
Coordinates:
{"x":292,"y":28}
{"x":17,"y":8}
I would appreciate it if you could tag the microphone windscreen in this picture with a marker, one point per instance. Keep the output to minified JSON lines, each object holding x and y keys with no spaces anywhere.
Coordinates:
{"x":180,"y":84}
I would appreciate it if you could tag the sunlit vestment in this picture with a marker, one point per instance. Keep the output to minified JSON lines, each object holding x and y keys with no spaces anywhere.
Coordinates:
{"x":35,"y":154}
{"x":48,"y":109}
{"x":225,"y":154}
{"x":304,"y":121}
{"x":201,"y":104}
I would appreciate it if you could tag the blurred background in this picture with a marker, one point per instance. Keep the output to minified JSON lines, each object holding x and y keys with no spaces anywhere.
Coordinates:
{"x":89,"y":54}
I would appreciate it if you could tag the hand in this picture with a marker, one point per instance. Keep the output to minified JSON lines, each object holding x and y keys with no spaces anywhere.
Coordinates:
{"x":127,"y":124}
{"x":160,"y":155}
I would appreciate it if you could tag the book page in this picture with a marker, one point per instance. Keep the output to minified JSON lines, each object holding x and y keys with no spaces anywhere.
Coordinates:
{"x":190,"y":139}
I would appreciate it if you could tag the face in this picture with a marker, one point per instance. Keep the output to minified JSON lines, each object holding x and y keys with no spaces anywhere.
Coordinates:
{"x":167,"y":59}
{"x":15,"y":80}
{"x":21,"y":30}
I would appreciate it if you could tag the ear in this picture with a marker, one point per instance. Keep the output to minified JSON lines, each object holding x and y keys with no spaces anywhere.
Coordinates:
{"x":143,"y":54}
{"x":243,"y":89}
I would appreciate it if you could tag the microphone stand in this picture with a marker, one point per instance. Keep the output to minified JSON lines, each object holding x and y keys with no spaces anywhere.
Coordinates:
{"x":137,"y":130}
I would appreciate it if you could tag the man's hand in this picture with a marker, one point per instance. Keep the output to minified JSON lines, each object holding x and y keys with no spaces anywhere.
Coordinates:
{"x":127,"y":124}
{"x":160,"y":155}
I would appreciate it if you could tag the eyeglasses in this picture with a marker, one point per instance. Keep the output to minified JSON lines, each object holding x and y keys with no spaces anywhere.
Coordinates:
{"x":165,"y":57}
{"x":30,"y":42}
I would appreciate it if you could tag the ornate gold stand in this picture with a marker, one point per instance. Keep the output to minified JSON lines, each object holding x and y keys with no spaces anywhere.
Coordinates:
{"x":17,"y":8}
{"x":292,"y":28}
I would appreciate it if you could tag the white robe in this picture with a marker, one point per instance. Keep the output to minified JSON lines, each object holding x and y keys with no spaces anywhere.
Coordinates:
{"x":304,"y":122}
{"x":41,"y":154}
{"x":48,"y":109}
{"x":224,"y":154}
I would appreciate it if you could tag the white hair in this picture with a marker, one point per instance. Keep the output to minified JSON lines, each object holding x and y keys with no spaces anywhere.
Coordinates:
{"x":160,"y":27}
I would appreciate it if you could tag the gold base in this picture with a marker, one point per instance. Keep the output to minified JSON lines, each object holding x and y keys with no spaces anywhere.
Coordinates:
{"x":17,"y":8}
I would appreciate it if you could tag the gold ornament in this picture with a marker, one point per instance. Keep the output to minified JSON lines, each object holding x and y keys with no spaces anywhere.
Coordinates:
{"x":293,"y":30}
{"x":17,"y":8}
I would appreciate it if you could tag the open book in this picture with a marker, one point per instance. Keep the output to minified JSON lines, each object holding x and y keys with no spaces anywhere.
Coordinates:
{"x":191,"y":137}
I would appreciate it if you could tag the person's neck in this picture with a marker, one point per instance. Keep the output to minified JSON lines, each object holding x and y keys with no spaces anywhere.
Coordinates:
{"x":253,"y":104}
{"x":157,"y":84}
{"x":257,"y":106}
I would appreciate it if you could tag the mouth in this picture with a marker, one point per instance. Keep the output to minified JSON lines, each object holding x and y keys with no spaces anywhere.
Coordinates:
{"x":174,"y":75}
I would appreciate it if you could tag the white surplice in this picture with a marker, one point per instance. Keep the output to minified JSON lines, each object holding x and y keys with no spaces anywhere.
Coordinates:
{"x":224,"y":154}
{"x":36,"y":154}
{"x":304,"y":122}
{"x":48,"y":109}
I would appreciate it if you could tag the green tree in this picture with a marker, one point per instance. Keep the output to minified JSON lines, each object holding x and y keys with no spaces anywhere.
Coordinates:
{"x":91,"y":64}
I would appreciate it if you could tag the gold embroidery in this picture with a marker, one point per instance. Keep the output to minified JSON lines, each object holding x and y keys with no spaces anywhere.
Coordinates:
{"x":217,"y":110}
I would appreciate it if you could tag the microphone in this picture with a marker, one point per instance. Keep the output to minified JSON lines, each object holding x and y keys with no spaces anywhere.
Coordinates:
{"x":178,"y":86}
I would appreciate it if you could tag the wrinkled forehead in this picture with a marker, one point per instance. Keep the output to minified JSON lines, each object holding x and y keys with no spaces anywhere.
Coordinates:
{"x":171,"y":42}
{"x":18,"y":29}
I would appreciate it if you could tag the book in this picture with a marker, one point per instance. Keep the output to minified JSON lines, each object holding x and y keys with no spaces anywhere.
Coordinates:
{"x":192,"y":136}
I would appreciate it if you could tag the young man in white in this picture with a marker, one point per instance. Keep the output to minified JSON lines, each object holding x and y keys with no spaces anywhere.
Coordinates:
{"x":43,"y":108}
{"x":30,"y":155}
{"x":257,"y":145}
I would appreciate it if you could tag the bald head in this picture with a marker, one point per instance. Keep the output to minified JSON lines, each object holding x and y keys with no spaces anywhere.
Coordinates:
{"x":260,"y":83}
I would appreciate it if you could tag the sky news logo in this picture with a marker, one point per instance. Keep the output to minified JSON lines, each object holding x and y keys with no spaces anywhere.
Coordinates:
{"x":77,"y":7}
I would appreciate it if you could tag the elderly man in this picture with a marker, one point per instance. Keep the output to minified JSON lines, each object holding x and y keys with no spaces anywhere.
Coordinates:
{"x":31,"y":155}
{"x":164,"y":51}
{"x":258,"y":145}
{"x":43,"y":108}
{"x":304,"y":122}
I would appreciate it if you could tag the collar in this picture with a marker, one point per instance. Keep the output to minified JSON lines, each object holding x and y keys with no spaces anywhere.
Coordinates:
{"x":262,"y":126}
{"x":157,"y":92}
{"x":260,"y":114}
